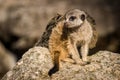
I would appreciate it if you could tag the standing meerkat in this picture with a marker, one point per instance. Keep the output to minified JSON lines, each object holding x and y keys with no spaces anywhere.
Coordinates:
{"x":74,"y":30}
{"x":81,"y":33}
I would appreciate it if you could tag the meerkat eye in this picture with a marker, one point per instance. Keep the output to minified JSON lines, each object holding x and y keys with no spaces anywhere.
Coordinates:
{"x":82,"y":17}
{"x":72,"y":18}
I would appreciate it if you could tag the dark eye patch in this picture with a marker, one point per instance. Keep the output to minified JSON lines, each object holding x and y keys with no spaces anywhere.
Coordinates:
{"x":82,"y":17}
{"x":72,"y":18}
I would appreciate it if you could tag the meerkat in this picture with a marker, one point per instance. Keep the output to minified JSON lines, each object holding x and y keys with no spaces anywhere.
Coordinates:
{"x":76,"y":29}
{"x":80,"y":33}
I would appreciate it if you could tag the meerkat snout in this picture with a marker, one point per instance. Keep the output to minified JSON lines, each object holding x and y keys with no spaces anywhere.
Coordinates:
{"x":66,"y":24}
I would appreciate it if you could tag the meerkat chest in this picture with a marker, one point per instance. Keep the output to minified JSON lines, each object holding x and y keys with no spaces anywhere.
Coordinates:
{"x":84,"y":33}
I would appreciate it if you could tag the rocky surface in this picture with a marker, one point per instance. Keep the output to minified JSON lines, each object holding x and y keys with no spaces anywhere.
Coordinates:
{"x":36,"y":63}
{"x":7,"y":61}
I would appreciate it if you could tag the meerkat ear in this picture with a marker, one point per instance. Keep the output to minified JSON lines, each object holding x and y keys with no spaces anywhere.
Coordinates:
{"x":58,"y":16}
{"x":90,"y":19}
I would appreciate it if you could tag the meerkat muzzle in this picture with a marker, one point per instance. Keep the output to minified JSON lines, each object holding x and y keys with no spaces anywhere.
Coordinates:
{"x":66,"y":24}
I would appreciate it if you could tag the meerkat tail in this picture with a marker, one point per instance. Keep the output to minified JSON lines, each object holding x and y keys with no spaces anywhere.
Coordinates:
{"x":56,"y":63}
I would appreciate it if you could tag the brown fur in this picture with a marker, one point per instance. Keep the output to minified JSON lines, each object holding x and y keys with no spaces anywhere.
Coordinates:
{"x":58,"y":46}
{"x":58,"y":43}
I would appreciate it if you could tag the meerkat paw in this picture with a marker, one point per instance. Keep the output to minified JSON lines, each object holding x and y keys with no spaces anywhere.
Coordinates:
{"x":68,"y":60}
{"x":82,"y":63}
{"x":85,"y":61}
{"x":79,"y":62}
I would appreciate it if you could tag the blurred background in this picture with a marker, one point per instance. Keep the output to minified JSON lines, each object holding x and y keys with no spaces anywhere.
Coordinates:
{"x":22,"y":22}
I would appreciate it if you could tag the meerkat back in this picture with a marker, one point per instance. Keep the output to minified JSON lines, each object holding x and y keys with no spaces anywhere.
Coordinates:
{"x":58,"y":46}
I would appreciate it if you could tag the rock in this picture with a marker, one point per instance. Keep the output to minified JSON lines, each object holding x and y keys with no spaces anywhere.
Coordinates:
{"x":104,"y":66}
{"x":7,"y":61}
{"x":36,"y":63}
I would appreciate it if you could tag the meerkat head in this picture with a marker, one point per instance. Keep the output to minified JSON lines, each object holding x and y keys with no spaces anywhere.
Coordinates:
{"x":74,"y":18}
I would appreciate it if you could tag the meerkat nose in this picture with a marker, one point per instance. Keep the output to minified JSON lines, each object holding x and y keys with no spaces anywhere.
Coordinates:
{"x":66,"y":24}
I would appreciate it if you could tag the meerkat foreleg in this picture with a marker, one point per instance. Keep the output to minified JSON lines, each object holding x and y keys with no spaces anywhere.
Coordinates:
{"x":74,"y":53}
{"x":84,"y":51}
